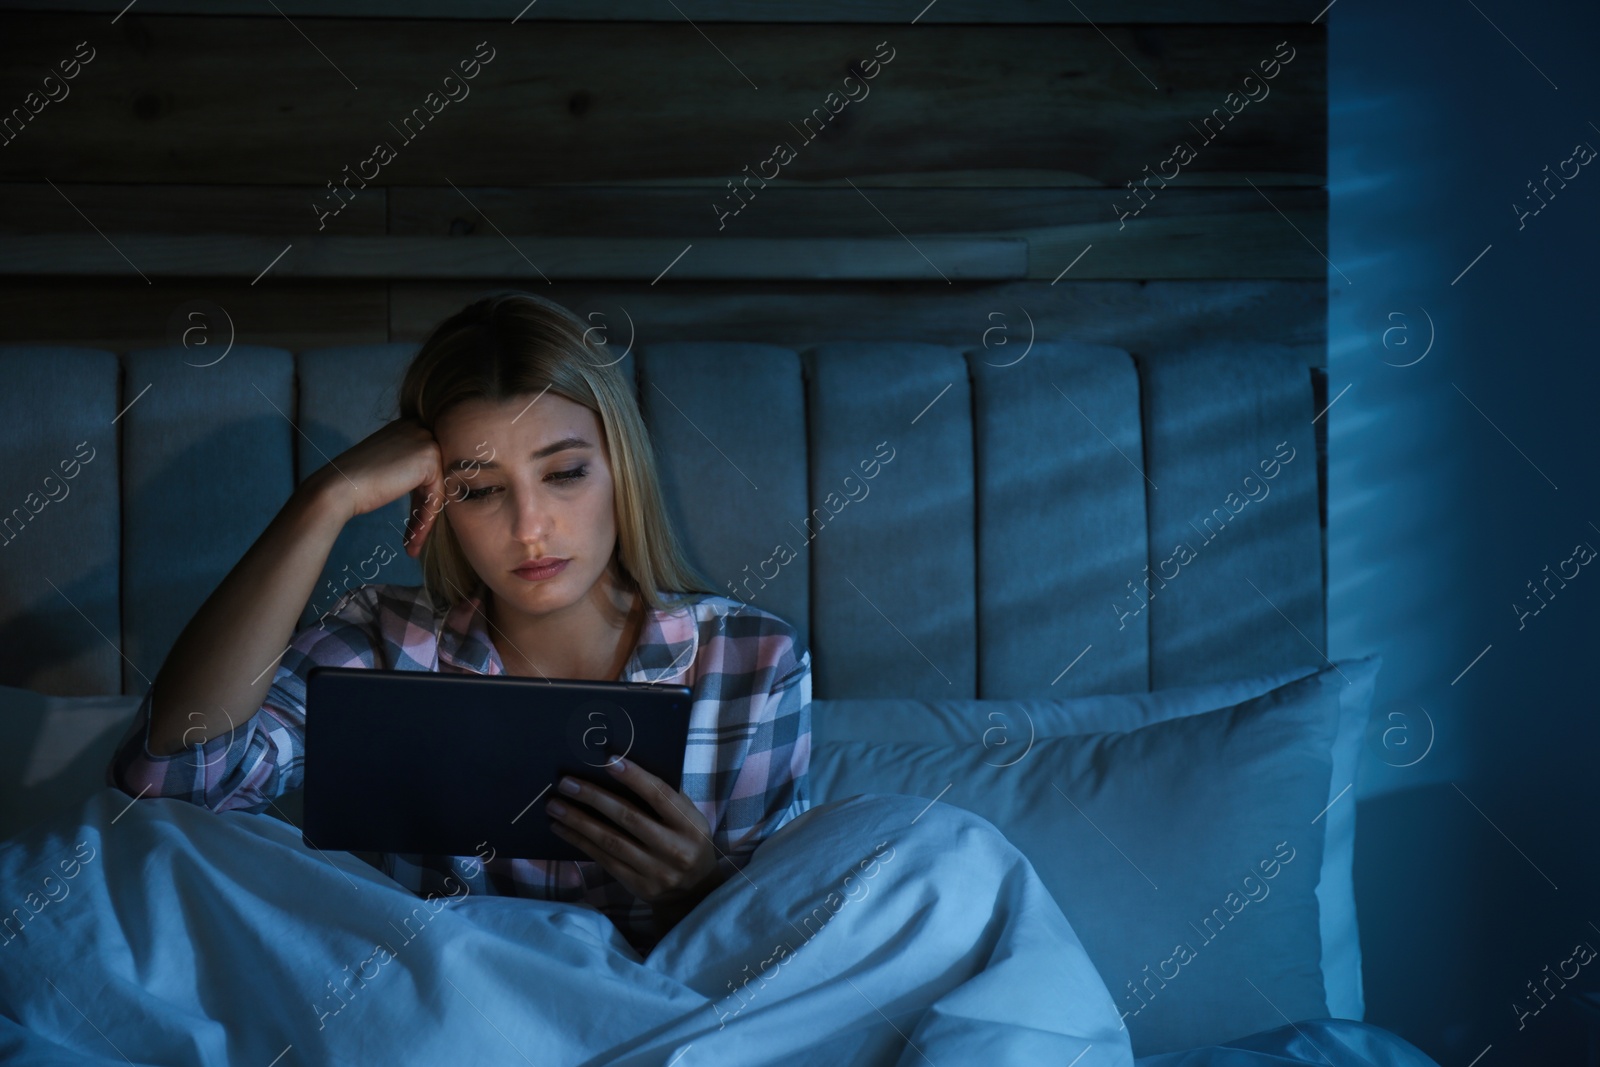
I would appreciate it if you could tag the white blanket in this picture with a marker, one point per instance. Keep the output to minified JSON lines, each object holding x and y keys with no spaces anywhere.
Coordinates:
{"x":878,"y":929}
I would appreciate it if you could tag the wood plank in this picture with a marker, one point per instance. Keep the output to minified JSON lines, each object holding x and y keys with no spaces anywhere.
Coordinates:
{"x":1154,"y":317}
{"x":1180,"y":233}
{"x":600,"y":211}
{"x":642,"y":103}
{"x":122,"y":314}
{"x":631,"y":211}
{"x":1259,"y":244}
{"x":536,"y":258}
{"x":985,"y":12}
{"x":77,"y":207}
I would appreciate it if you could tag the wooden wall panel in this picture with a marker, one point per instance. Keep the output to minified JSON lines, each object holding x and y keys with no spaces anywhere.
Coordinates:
{"x":930,"y":258}
{"x":63,"y":207}
{"x":214,"y":137}
{"x":121,"y":314}
{"x":1222,"y":234}
{"x":247,"y":100}
{"x":1180,"y":233}
{"x":684,"y":210}
{"x":983,"y":12}
{"x":1142,"y":317}
{"x":632,"y":232}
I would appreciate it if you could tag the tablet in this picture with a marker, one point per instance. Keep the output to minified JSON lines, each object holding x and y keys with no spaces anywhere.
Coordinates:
{"x":461,"y":764}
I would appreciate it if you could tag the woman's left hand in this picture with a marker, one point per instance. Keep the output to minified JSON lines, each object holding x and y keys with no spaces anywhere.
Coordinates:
{"x":671,"y":863}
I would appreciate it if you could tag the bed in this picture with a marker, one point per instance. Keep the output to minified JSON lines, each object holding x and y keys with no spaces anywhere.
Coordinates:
{"x":1072,"y":619}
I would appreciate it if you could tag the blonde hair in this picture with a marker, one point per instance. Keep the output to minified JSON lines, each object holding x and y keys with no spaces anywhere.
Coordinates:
{"x":510,"y":344}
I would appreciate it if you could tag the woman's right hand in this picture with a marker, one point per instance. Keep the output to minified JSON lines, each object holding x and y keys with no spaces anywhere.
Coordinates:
{"x":400,"y":458}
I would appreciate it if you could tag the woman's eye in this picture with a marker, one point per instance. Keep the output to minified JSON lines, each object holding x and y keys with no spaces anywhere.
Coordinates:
{"x":558,"y":477}
{"x":569,"y":475}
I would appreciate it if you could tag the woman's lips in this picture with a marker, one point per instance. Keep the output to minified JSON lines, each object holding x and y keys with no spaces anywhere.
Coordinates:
{"x":539,"y":574}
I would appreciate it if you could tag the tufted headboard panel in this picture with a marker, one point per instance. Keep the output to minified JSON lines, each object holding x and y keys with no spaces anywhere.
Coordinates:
{"x":936,"y":521}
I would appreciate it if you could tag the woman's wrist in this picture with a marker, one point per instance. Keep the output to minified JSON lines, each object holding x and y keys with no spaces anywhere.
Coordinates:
{"x":321,"y":497}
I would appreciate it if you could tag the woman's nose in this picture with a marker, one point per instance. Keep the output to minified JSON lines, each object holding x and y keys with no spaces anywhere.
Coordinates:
{"x":529,"y":521}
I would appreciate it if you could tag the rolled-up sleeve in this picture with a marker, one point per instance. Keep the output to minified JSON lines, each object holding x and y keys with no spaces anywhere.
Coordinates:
{"x":261,"y":758}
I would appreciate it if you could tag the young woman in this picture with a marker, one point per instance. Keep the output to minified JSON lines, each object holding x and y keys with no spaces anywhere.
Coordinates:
{"x":546,"y":552}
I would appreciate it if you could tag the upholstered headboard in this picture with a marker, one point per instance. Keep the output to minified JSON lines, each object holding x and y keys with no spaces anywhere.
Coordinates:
{"x":937,"y":522}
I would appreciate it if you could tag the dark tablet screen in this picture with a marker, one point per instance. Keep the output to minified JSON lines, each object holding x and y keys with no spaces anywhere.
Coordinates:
{"x":458,"y":764}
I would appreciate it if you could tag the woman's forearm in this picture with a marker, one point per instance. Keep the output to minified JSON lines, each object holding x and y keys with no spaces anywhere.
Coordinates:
{"x":222,"y":664}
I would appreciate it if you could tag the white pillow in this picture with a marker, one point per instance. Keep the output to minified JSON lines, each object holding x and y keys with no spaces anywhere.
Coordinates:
{"x":997,"y":724}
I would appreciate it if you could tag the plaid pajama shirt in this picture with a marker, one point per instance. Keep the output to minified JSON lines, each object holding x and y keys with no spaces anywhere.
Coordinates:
{"x":745,"y":765}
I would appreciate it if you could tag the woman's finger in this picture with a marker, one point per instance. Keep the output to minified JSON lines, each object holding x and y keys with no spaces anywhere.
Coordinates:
{"x":428,"y":513}
{"x":675,"y":809}
{"x":648,"y":829}
{"x":644,"y":852}
{"x":613,"y":850}
{"x":419,"y":518}
{"x":631,"y":878}
{"x":408,"y":530}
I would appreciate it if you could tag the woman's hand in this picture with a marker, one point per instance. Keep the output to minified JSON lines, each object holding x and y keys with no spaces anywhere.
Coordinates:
{"x":671,"y":861}
{"x":401,"y":457}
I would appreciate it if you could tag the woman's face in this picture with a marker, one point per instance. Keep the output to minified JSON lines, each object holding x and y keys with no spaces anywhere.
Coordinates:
{"x":540,"y":488}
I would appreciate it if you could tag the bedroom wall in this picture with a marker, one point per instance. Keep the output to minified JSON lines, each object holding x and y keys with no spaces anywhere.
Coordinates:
{"x":1455,"y":479}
